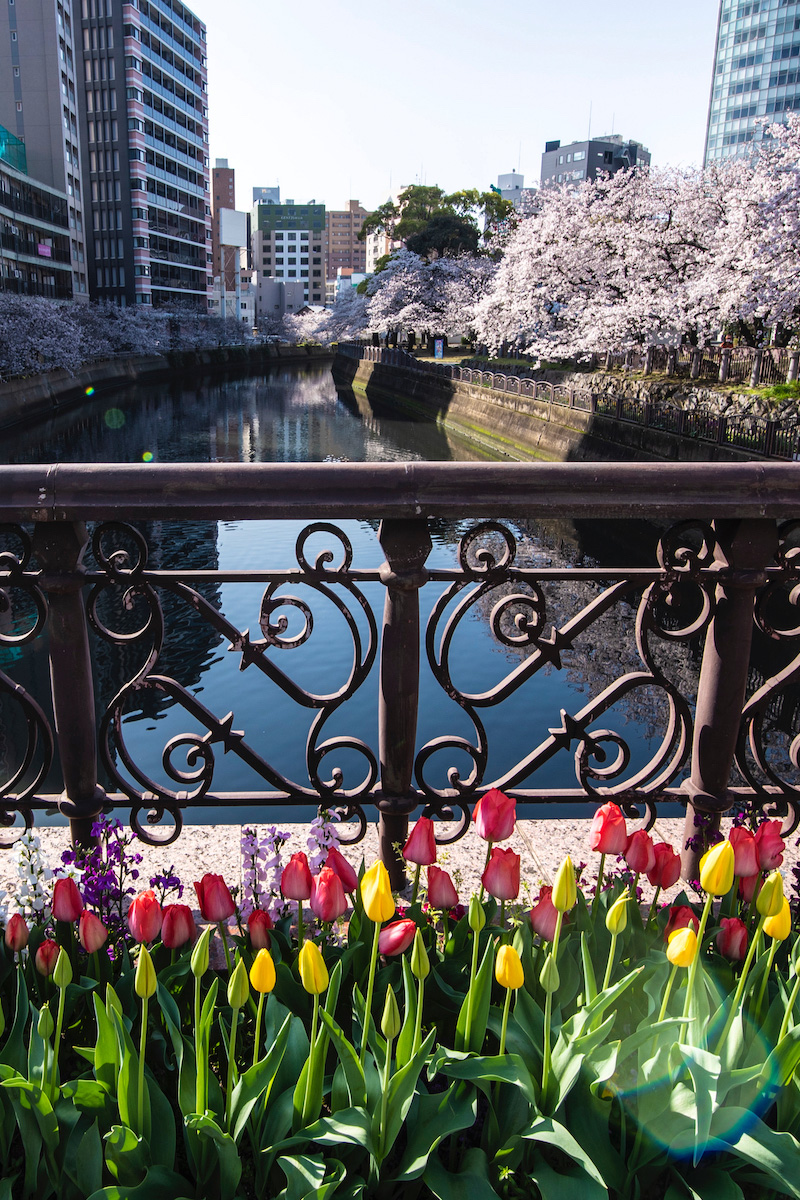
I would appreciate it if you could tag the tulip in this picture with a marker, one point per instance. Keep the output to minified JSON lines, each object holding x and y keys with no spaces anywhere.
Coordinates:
{"x":145,"y":984}
{"x":144,"y":917}
{"x":640,"y":853}
{"x":46,"y":956}
{"x":67,"y":902}
{"x":376,"y":893}
{"x":16,"y":935}
{"x":544,"y":915}
{"x":769,"y":903}
{"x":716,"y":869}
{"x":732,"y":939}
{"x":397,"y":937}
{"x":390,"y":1027}
{"x":420,"y":969}
{"x":476,"y":915}
{"x":199,"y":965}
{"x":666,"y":869}
{"x":501,"y":875}
{"x":390,"y":1020}
{"x":263,"y":978}
{"x":200,"y":955}
{"x":214,"y":898}
{"x":770,"y":845}
{"x":338,"y":863}
{"x":420,"y":847}
{"x":769,"y":900}
{"x":296,"y":878}
{"x":441,"y":889}
{"x":748,"y":886}
{"x":616,"y":923}
{"x":682,"y":947}
{"x":550,"y":982}
{"x":177,"y":927}
{"x":92,"y":933}
{"x":779,"y":926}
{"x":564,"y":893}
{"x":495,"y":815}
{"x":745,"y":852}
{"x":680,"y":916}
{"x":259,"y":924}
{"x":608,"y":834}
{"x":313,"y":972}
{"x":238,"y":995}
{"x":509,"y":974}
{"x":328,"y":901}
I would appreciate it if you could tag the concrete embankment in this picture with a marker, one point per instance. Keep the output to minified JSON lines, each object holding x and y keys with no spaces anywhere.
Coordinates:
{"x":521,"y":427}
{"x":38,"y":396}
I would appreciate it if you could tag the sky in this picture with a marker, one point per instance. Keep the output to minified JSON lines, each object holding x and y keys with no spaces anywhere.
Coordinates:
{"x":343,"y":99}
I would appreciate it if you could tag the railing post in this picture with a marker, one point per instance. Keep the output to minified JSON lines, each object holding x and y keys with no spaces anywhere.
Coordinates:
{"x":406,"y":545}
{"x":794,"y":364}
{"x":697,"y":359}
{"x":755,"y":377}
{"x":59,"y":547}
{"x":744,"y":548}
{"x":724,"y":364}
{"x":649,"y":355}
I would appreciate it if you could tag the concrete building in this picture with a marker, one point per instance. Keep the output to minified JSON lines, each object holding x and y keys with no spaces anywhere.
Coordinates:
{"x":756,"y":73}
{"x":38,"y":104}
{"x":35,"y":235}
{"x":512,"y":187}
{"x":344,"y":248}
{"x":223,"y":195}
{"x":144,"y":114}
{"x":277,"y":297}
{"x":289,"y":243}
{"x":584,"y":160}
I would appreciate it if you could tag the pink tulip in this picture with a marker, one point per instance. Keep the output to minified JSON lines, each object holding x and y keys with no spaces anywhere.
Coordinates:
{"x":732,"y":939}
{"x":420,"y":847}
{"x":296,"y":878}
{"x":338,"y":863}
{"x":259,"y":924}
{"x":747,"y":887}
{"x":47,"y":956}
{"x":397,"y":937}
{"x":770,"y":845}
{"x":441,"y":889}
{"x":92,"y":933}
{"x":501,"y":876}
{"x":544,"y":915}
{"x":608,"y":834}
{"x":214,"y":897}
{"x":667,"y":867}
{"x":745,"y":852}
{"x":328,"y":900}
{"x":16,"y":935}
{"x":495,"y":815}
{"x":680,"y":916}
{"x":67,"y":902}
{"x":144,"y":917}
{"x":639,"y":853}
{"x":178,"y":926}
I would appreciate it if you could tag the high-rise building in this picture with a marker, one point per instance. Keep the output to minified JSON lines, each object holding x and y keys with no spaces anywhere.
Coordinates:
{"x":585,"y":160}
{"x":756,"y":73}
{"x":344,"y":248}
{"x":38,"y":104}
{"x":289,"y":242}
{"x":223,"y":195}
{"x":35,"y":243}
{"x":144,"y":112}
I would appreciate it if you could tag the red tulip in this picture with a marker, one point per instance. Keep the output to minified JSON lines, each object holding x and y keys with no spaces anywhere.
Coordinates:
{"x":338,"y":863}
{"x":144,"y":917}
{"x":495,"y":815}
{"x":178,"y":926}
{"x":667,"y":867}
{"x":747,"y":887}
{"x":296,"y":878}
{"x":420,"y":847}
{"x":47,"y":956}
{"x":259,"y":924}
{"x":639,"y":852}
{"x":397,"y":937}
{"x":608,"y":834}
{"x":680,"y":916}
{"x":328,"y":900}
{"x":16,"y":936}
{"x":501,"y":877}
{"x":770,"y":845}
{"x":214,"y":898}
{"x":67,"y":902}
{"x":92,"y":933}
{"x":441,"y":889}
{"x":544,"y":915}
{"x":745,"y":852}
{"x":732,"y":939}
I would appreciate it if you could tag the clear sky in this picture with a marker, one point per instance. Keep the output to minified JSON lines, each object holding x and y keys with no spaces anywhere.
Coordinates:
{"x":333,"y":99}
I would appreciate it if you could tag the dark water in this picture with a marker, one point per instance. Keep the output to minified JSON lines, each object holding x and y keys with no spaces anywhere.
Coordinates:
{"x":296,"y":415}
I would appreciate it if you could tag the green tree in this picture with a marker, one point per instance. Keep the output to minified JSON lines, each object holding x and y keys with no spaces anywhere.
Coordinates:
{"x":432,"y":222}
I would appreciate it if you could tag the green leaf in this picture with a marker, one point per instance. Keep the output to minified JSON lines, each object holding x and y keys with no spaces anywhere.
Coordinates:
{"x":471,"y":1182}
{"x":711,"y":1183}
{"x":401,"y":1091}
{"x":158,"y":1184}
{"x":704,"y":1069}
{"x":351,"y":1125}
{"x":484,"y":1070}
{"x":351,"y":1067}
{"x":306,"y":1176}
{"x":257,"y":1080}
{"x":778,"y":1154}
{"x":584,"y":1171}
{"x":29,"y":1098}
{"x":127,"y":1156}
{"x":13,"y":1053}
{"x":128,"y":1089}
{"x":106,"y":1049}
{"x":589,"y":979}
{"x":90,"y":1096}
{"x":309,"y":1091}
{"x":431,"y":1119}
{"x":405,"y":1040}
{"x":163,"y":1136}
{"x":90,"y":1161}
{"x":783,"y":1061}
{"x":228,"y":1161}
{"x":481,"y":997}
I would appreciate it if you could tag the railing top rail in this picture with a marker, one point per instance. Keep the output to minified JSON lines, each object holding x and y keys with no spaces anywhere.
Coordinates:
{"x":230,"y":491}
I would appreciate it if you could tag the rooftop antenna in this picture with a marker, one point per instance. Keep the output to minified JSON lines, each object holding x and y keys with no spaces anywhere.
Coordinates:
{"x":519,"y":157}
{"x":613,"y":119}
{"x":589,"y":138}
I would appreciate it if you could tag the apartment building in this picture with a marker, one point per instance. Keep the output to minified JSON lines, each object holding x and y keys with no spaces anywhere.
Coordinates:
{"x":344,"y":248}
{"x":289,"y":242}
{"x":35,"y":241}
{"x":586,"y":160}
{"x":223,"y":195}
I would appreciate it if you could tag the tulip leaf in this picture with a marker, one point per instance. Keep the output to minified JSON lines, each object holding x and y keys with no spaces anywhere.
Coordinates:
{"x":183,"y":1050}
{"x":351,"y":1067}
{"x":127,"y":1156}
{"x":128,"y":1093}
{"x":704,"y":1070}
{"x":584,"y":1173}
{"x":13,"y":1052}
{"x":163,"y":1136}
{"x":402,"y":1086}
{"x":228,"y":1162}
{"x":405,"y":1039}
{"x":471,"y":1182}
{"x":783,"y":1061}
{"x":481,"y":991}
{"x":332,"y":994}
{"x":257,"y":1081}
{"x":29,"y":1099}
{"x":309,"y":1090}
{"x":297,"y":1047}
{"x":776,"y":1153}
{"x":106,"y":1048}
{"x":90,"y":1161}
{"x":89,"y":1096}
{"x":483,"y":1070}
{"x":589,"y":979}
{"x":431,"y":1119}
{"x":306,"y":1176}
{"x":208,"y":1009}
{"x":351,"y":1125}
{"x":708,"y":1183}
{"x":158,"y":1184}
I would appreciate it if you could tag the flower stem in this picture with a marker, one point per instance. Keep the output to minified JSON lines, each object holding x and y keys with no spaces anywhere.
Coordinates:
{"x":504,"y":1026}
{"x":57,"y":1043}
{"x":472,"y":973}
{"x":418,"y":1022}
{"x":231,"y":1067}
{"x":693,"y":968}
{"x":314,"y":1020}
{"x":300,"y":930}
{"x":651,"y":916}
{"x":387,"y":1067}
{"x":663,"y":1010}
{"x":257,"y":1038}
{"x":789,"y":1009}
{"x":599,"y":884}
{"x":610,"y":963}
{"x":140,"y":1087}
{"x":224,"y":934}
{"x":740,"y":988}
{"x":415,"y":889}
{"x":764,"y":978}
{"x":370,"y":988}
{"x":485,"y":865}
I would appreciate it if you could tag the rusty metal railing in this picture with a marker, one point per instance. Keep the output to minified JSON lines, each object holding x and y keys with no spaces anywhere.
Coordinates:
{"x":726,"y":563}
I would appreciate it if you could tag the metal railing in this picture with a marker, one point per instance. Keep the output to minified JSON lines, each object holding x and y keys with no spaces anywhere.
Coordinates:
{"x":728,"y":563}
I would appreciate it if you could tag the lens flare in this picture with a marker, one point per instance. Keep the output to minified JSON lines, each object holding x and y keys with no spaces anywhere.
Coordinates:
{"x":147,"y":456}
{"x":90,"y":391}
{"x":115,"y":418}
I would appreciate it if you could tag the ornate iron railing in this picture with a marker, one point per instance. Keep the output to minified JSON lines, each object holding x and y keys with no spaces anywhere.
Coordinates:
{"x":725,"y":564}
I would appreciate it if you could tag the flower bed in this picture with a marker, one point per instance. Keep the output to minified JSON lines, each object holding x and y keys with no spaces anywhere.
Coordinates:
{"x":588,"y":1047}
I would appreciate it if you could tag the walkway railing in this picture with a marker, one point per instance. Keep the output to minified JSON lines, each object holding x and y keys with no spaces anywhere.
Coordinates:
{"x":727,"y":564}
{"x":757,"y":435}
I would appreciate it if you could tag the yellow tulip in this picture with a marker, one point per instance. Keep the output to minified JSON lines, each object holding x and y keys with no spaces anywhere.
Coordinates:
{"x":262,"y":972}
{"x":508,"y":968}
{"x":682,"y":947}
{"x":779,"y":926}
{"x":769,"y":900}
{"x":564,"y":893}
{"x":313,"y":972}
{"x":617,"y":915}
{"x":145,"y":982}
{"x":716,"y":869}
{"x":376,"y":893}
